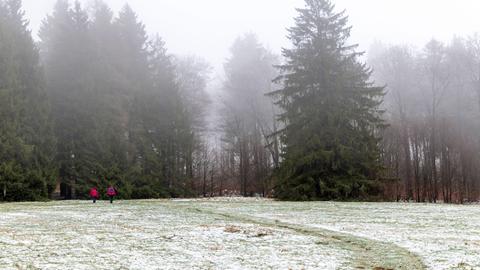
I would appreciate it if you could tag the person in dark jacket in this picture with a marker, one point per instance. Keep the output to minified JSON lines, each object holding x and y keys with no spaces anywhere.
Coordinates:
{"x":111,"y":193}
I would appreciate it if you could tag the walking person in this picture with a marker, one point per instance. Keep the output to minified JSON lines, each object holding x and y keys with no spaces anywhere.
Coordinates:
{"x":94,"y":194}
{"x":111,"y":193}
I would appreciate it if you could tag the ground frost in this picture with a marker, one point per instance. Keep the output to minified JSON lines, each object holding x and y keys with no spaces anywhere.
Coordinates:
{"x":148,"y":235}
{"x":237,"y":234}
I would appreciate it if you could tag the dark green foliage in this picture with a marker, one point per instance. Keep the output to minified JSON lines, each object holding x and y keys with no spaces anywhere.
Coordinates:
{"x":27,"y":145}
{"x":110,"y":107}
{"x":330,"y":110}
{"x":67,"y":55}
{"x":119,"y":117}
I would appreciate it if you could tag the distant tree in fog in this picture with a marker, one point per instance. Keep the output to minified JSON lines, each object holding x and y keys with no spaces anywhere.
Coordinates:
{"x":248,"y":115}
{"x":439,"y":134}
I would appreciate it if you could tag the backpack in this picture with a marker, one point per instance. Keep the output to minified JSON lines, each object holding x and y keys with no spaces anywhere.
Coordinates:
{"x":110,"y":191}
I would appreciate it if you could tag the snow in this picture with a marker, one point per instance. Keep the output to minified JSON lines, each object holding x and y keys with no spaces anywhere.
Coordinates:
{"x":238,"y":233}
{"x":443,"y":236}
{"x":148,"y":235}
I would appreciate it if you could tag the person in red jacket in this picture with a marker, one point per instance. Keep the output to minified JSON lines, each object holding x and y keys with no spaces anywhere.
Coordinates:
{"x":111,"y":192}
{"x":94,"y":194}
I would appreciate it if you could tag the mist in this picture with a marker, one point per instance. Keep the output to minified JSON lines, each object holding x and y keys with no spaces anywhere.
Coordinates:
{"x":187,"y":98}
{"x":209,"y":27}
{"x":218,"y":134}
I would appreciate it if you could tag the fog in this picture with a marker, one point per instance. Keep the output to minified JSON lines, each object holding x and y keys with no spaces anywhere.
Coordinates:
{"x":214,"y":101}
{"x":207,"y":28}
{"x":178,"y":98}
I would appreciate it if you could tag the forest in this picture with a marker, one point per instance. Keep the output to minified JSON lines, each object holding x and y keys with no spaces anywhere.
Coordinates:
{"x":96,"y":101}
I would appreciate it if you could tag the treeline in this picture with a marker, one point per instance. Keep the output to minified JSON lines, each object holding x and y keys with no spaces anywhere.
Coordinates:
{"x":109,"y":105}
{"x":432,"y":146}
{"x":241,"y":150}
{"x":337,"y":136}
{"x":116,"y":106}
{"x":314,"y":132}
{"x":27,"y":140}
{"x":95,"y":102}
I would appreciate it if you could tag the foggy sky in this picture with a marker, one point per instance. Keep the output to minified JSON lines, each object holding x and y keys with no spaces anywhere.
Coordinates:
{"x":208,"y":27}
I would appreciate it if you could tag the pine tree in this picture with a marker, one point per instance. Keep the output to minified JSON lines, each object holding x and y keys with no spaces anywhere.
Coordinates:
{"x":119,"y":117}
{"x":27,"y":145}
{"x":132,"y":49}
{"x":67,"y":53}
{"x":159,"y":127}
{"x":192,"y":75}
{"x":153,"y":126}
{"x":111,"y":102}
{"x":330,"y":110}
{"x":247,"y":113}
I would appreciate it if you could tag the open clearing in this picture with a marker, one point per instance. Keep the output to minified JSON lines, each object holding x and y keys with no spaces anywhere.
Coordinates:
{"x":238,"y":234}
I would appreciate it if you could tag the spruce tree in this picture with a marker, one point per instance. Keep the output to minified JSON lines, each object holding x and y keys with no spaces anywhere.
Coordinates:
{"x":159,"y":128}
{"x":247,"y":113}
{"x":67,"y":53}
{"x":111,"y":110}
{"x":132,"y":53}
{"x":330,"y":110}
{"x":192,"y":75}
{"x":27,"y":144}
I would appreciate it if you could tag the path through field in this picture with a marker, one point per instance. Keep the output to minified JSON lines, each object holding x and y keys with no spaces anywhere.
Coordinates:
{"x":238,"y":234}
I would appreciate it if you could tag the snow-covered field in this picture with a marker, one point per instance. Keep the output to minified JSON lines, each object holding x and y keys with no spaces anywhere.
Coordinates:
{"x":238,"y":234}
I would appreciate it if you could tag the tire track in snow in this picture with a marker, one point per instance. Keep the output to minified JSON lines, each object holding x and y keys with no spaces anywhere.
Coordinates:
{"x":368,"y":253}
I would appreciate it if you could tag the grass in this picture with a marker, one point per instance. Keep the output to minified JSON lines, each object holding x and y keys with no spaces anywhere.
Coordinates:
{"x":238,"y":234}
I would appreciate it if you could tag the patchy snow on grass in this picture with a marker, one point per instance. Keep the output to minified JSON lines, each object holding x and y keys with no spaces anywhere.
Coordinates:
{"x":234,"y":233}
{"x":150,"y":235}
{"x":444,"y":236}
